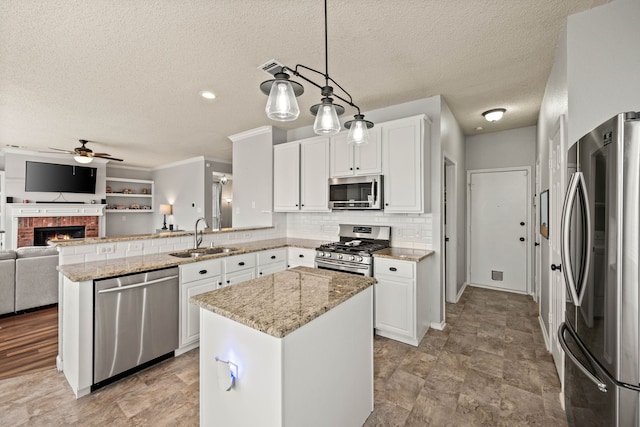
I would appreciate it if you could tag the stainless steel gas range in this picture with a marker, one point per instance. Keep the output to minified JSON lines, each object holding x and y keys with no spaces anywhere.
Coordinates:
{"x":354,"y":252}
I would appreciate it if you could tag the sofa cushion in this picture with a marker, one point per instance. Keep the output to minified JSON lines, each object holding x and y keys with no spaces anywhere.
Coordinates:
{"x":35,"y":251}
{"x":7,"y":281}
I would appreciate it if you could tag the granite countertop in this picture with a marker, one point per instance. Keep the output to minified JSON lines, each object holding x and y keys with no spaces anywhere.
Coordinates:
{"x":119,"y":266}
{"x":94,"y":240}
{"x":404,"y":254}
{"x":280,"y":303}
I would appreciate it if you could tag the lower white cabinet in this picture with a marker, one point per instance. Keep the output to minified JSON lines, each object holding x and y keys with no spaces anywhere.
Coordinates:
{"x":301,"y":257}
{"x":272,"y":261}
{"x":401,"y":303}
{"x":239,"y":268}
{"x":195,"y":279}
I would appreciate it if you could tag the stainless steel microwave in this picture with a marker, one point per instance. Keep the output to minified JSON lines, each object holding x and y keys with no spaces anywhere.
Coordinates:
{"x":356,"y":192}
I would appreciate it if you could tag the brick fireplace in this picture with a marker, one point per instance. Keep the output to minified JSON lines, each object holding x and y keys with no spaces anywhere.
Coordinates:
{"x":27,"y":224}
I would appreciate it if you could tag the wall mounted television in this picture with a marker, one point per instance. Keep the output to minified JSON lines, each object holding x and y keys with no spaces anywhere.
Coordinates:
{"x":56,"y":178}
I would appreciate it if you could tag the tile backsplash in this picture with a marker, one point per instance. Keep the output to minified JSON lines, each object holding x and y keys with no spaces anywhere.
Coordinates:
{"x":407,"y":230}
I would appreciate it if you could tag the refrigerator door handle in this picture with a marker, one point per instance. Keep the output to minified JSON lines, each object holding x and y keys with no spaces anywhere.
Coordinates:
{"x":563,"y":343}
{"x":576,"y":184}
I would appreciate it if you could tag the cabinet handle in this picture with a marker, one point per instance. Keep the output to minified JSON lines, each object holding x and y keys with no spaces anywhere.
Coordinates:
{"x":301,"y":256}
{"x":202,"y":271}
{"x":350,"y":169}
{"x":241,"y":263}
{"x":228,"y":281}
{"x":273,"y":257}
{"x":393,"y":269}
{"x":386,"y":204}
{"x":357,"y":169}
{"x":302,"y":204}
{"x":261,"y":273}
{"x":296,"y":205}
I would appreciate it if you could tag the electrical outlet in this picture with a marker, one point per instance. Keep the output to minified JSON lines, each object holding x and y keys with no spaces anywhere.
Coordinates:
{"x":106,"y":249}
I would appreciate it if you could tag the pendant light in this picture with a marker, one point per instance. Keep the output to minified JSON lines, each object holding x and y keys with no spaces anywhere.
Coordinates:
{"x":282,"y":104}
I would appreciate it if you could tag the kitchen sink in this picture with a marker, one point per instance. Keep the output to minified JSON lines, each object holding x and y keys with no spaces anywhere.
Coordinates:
{"x":194,"y":253}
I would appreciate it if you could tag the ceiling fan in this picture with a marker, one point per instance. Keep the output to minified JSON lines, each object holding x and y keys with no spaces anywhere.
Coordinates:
{"x":85,"y":155}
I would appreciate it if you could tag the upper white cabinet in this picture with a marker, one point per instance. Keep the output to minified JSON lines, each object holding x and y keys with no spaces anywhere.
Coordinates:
{"x":314,"y":174}
{"x":406,"y":165}
{"x":351,"y":159}
{"x":301,"y":175}
{"x":286,"y":177}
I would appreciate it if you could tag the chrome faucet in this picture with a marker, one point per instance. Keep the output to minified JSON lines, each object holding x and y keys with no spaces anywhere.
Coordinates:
{"x":197,"y":241}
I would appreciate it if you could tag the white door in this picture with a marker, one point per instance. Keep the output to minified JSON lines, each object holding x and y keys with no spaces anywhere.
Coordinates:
{"x":499,"y":220}
{"x":450,"y":232}
{"x":557,"y":182}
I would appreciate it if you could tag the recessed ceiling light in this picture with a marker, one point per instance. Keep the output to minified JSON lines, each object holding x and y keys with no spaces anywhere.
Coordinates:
{"x":479,"y":128}
{"x":207,"y":94}
{"x":494,"y":115}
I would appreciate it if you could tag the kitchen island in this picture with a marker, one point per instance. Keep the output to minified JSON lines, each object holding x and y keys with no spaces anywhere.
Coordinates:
{"x":292,"y":348}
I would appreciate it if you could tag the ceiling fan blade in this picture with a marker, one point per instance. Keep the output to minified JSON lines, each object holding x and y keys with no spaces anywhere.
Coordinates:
{"x":61,"y":150}
{"x":106,"y":157}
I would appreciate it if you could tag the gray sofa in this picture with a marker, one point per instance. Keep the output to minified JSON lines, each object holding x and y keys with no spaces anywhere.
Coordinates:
{"x":28,"y":278}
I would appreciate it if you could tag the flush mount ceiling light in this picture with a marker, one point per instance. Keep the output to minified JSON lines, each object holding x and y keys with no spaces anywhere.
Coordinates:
{"x":494,"y":115}
{"x":207,"y":94}
{"x":282,"y":104}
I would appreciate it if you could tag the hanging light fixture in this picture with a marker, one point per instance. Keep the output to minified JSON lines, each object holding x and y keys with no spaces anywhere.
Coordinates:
{"x":282,"y":104}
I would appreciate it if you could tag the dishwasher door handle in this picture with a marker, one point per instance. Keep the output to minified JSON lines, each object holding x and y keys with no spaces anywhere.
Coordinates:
{"x":137,"y":285}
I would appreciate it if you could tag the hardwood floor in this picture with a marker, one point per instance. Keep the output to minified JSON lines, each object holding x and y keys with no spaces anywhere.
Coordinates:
{"x":28,"y":342}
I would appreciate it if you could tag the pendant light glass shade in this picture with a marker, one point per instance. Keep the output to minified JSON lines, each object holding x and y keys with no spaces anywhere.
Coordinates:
{"x":358,"y":130}
{"x":358,"y":134}
{"x":282,"y":104}
{"x":327,"y":122}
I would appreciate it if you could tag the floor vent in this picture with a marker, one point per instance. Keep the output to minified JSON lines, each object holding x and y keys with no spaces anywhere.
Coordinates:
{"x":271,"y":67}
{"x":496,"y":275}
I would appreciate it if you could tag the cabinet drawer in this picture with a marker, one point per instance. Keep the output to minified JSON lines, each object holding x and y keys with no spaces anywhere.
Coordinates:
{"x":200,"y":270}
{"x":271,"y":256}
{"x":239,"y":262}
{"x":393,"y":268}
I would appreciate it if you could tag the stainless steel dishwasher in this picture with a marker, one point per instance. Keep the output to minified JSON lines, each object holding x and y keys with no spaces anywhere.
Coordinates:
{"x":135,"y":323}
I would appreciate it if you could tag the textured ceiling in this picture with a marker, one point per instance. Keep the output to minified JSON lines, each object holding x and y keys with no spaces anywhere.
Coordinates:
{"x":128,"y":73}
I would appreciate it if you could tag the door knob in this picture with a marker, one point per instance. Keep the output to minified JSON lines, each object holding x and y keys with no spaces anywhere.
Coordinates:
{"x":556,"y":267}
{"x":537,"y":244}
{"x":522,"y":239}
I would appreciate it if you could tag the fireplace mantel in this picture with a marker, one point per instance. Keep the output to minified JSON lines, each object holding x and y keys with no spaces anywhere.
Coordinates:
{"x":54,"y":209}
{"x":15,"y":211}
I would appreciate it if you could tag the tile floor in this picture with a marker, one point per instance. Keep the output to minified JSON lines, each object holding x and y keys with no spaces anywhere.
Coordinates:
{"x":487,"y":368}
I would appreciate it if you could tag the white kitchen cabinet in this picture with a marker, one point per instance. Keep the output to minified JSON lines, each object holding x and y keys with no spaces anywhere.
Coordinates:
{"x":239,"y":268}
{"x":271,"y":261}
{"x":301,"y":175}
{"x":351,"y":159}
{"x":195,"y":279}
{"x":401,"y":303}
{"x":286,"y":177}
{"x":301,"y":257}
{"x":406,"y":165}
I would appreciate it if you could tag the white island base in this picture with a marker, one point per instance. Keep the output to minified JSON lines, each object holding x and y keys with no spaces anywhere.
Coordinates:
{"x":321,"y":374}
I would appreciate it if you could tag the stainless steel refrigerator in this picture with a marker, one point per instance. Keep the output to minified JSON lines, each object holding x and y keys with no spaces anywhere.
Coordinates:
{"x":600,"y":255}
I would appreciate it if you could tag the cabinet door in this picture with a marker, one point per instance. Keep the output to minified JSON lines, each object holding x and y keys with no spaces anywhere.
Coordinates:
{"x":394,"y":305}
{"x":301,"y":257}
{"x":368,"y":157}
{"x":190,"y":315}
{"x":286,"y":177}
{"x":341,"y":163}
{"x":239,"y":277}
{"x":272,"y":268}
{"x":402,"y":165}
{"x":314,"y":182}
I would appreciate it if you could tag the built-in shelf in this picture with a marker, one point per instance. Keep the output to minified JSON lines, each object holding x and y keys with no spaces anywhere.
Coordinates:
{"x":125,"y":192}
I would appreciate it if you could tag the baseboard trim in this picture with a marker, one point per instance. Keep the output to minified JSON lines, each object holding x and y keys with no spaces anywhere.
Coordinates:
{"x":545,"y":334}
{"x":461,"y":291}
{"x":439,"y":326}
{"x":495,"y":288}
